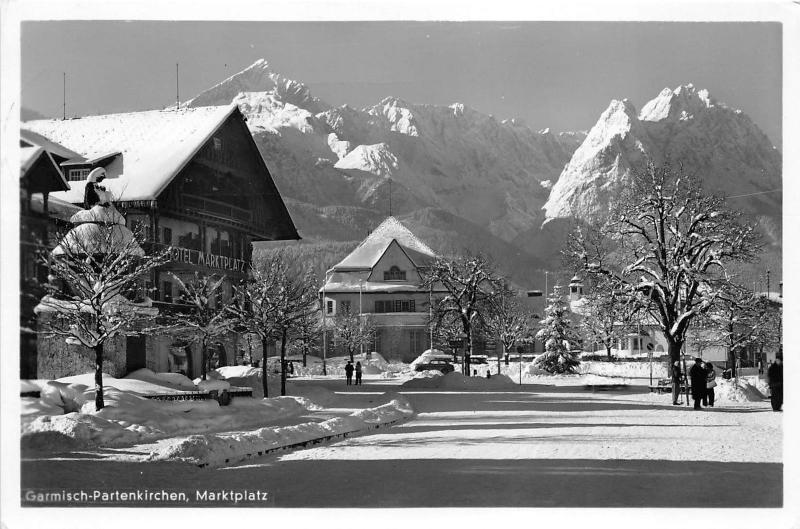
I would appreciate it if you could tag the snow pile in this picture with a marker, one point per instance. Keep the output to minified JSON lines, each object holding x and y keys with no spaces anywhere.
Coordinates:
{"x":737,"y":391}
{"x":623,"y":369}
{"x":457,"y":381}
{"x":144,"y":383}
{"x":228,"y":372}
{"x":217,"y":449}
{"x":375,"y":364}
{"x":52,"y":423}
{"x":173,"y":380}
{"x":213,"y":385}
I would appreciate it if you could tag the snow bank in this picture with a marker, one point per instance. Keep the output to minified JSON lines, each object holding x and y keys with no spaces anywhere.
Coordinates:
{"x":457,"y":381}
{"x":623,"y":369}
{"x":376,"y":364}
{"x":212,"y":385}
{"x":148,"y":383}
{"x":238,"y":371}
{"x":129,"y":418}
{"x":217,"y":449}
{"x":740,"y":390}
{"x":173,"y":380}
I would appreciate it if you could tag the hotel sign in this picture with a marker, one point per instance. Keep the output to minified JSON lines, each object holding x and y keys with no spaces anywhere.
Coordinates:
{"x":210,"y":260}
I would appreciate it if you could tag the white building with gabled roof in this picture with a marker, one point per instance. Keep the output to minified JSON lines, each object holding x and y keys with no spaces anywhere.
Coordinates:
{"x":383,"y":278}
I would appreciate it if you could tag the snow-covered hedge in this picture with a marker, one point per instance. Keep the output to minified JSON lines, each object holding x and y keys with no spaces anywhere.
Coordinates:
{"x":217,"y":449}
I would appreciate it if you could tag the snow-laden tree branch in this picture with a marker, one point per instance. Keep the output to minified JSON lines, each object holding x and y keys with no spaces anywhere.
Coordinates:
{"x":94,"y":270}
{"x":669,"y":242}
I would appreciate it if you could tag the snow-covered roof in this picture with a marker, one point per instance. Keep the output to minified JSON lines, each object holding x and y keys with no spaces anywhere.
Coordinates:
{"x":155,"y":146}
{"x":31,"y":138}
{"x":31,"y":154}
{"x":55,"y":208}
{"x":367,"y":254}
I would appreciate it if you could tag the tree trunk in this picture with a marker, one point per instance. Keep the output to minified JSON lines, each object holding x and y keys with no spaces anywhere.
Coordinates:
{"x":305,"y":354}
{"x":350,"y":349}
{"x":674,"y":348}
{"x":264,"y":366}
{"x":467,"y":347}
{"x":203,"y":359}
{"x":608,"y":350}
{"x":283,"y":362}
{"x":502,"y":354}
{"x":99,"y":403}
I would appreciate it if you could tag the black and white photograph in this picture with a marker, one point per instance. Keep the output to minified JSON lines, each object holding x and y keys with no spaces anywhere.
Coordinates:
{"x":390,"y":267}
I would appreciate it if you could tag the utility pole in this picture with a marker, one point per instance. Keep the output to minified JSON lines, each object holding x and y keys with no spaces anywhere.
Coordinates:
{"x":177,"y":88}
{"x":64,"y":96}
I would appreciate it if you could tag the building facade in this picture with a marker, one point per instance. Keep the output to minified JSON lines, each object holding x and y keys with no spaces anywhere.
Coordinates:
{"x":192,"y":180}
{"x":383,"y":280}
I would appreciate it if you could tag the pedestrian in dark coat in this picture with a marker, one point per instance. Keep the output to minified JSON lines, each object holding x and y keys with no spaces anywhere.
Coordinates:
{"x":358,"y":373}
{"x":348,"y":371}
{"x":711,"y":383}
{"x":676,"y":382}
{"x":697,"y":375}
{"x":775,"y":379}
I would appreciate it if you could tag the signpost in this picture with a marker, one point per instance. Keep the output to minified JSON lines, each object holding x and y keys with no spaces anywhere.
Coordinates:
{"x":455,"y":345}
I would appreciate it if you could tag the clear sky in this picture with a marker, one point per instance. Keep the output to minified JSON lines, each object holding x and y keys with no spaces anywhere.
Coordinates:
{"x":560,"y":75}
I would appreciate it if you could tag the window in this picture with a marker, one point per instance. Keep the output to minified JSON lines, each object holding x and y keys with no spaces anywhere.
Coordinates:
{"x":166,"y":291}
{"x":217,"y":143}
{"x":397,"y":305}
{"x":419,"y":340}
{"x":75,"y":175}
{"x":329,"y":306}
{"x":394,"y":274}
{"x":166,"y":236}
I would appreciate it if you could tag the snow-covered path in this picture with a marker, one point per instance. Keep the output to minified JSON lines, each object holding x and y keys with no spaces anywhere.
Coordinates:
{"x":529,"y":446}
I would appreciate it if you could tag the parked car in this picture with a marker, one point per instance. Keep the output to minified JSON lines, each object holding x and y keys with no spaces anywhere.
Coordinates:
{"x":479,"y":359}
{"x":436,"y":365}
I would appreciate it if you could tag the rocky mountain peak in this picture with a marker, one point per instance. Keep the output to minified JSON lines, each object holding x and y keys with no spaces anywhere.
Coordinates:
{"x":259,"y":77}
{"x":684,"y":102}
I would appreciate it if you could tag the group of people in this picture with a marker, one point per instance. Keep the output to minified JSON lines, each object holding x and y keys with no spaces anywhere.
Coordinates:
{"x":348,"y":371}
{"x":702,"y":376}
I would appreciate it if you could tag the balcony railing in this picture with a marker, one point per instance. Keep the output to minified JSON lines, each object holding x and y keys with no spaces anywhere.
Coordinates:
{"x":217,"y":208}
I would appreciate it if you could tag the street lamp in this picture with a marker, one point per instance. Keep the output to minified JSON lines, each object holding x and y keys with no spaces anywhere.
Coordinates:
{"x":360,"y":317}
{"x":325,"y":324}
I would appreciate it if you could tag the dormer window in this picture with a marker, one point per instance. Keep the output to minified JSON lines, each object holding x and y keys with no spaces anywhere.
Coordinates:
{"x":394,"y":274}
{"x":76,"y":175}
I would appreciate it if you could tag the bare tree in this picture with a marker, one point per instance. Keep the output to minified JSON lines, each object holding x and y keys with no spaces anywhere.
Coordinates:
{"x":607,"y":313}
{"x":351,"y":331}
{"x":276,"y":302}
{"x":669,"y":242}
{"x":306,"y":333}
{"x":205,"y":313}
{"x":470,"y":283}
{"x":739,"y":318}
{"x":92,"y":268}
{"x":509,"y":321}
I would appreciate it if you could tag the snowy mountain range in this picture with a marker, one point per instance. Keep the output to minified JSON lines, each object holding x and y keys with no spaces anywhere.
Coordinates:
{"x":465,"y":177}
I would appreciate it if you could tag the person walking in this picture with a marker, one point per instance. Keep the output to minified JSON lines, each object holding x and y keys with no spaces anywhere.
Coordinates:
{"x":676,"y":382}
{"x":697,"y":375}
{"x":348,"y":371}
{"x":775,"y":380}
{"x":358,"y":373}
{"x":711,"y":383}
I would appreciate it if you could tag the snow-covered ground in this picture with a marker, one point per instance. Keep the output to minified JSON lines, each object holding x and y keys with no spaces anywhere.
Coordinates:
{"x":535,"y":445}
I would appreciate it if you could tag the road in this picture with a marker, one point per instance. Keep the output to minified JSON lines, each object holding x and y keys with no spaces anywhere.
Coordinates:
{"x":532,"y":446}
